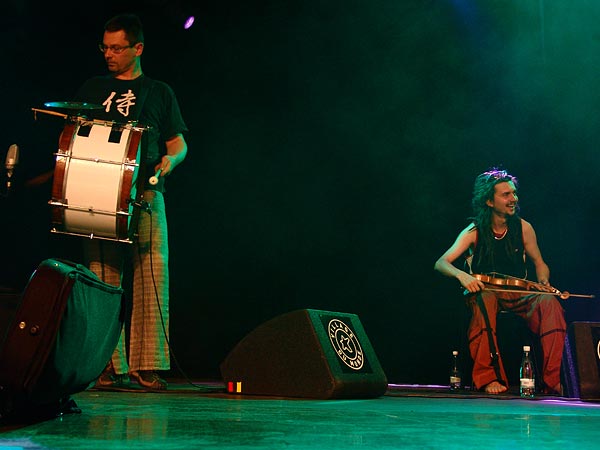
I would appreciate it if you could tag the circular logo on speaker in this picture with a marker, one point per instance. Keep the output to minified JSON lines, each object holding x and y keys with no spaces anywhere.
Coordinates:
{"x":345,"y":344}
{"x":598,"y":349}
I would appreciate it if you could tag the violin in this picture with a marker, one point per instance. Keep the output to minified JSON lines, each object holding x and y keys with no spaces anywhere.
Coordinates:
{"x":507,"y":283}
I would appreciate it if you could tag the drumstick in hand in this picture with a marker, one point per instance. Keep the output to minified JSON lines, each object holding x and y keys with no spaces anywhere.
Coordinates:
{"x":154,"y":179}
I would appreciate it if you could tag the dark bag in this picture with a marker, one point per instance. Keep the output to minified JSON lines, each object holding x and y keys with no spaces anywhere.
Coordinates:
{"x":63,"y":334}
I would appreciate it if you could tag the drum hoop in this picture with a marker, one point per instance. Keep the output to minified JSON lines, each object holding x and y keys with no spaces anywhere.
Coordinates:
{"x":133,"y":125}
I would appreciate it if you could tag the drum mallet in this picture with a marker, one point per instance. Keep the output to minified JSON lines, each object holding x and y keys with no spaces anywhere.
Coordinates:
{"x":154,"y":179}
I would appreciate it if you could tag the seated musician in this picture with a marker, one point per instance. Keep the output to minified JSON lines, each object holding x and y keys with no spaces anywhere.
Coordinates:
{"x":497,"y":241}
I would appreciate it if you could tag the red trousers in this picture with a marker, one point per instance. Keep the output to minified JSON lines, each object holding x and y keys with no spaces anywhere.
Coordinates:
{"x":544,"y":316}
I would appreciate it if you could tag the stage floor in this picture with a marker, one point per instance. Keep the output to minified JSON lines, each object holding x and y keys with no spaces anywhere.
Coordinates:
{"x":406,"y":417}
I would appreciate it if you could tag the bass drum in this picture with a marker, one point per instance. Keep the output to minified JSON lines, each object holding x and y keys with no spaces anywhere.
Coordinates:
{"x":94,"y":180}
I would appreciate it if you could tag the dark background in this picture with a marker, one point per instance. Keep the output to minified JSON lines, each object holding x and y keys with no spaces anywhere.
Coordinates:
{"x":332,"y":151}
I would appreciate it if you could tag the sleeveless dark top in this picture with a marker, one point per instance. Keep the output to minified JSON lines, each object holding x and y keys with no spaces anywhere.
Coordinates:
{"x":506,"y":255}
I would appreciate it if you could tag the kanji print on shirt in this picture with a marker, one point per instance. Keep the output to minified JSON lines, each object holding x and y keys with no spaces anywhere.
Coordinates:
{"x":123,"y":103}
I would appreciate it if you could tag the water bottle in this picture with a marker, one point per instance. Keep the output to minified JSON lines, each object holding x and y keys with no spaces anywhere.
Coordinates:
{"x":455,"y":378}
{"x":527,"y":388}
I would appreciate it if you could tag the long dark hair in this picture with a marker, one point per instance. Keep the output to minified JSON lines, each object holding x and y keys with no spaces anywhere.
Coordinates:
{"x":483,"y":190}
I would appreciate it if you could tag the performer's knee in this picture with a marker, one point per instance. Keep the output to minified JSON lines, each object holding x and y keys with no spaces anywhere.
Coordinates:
{"x":549,"y":303}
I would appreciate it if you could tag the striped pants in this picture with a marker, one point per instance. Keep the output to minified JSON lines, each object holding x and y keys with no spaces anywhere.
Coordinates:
{"x":149,"y":255}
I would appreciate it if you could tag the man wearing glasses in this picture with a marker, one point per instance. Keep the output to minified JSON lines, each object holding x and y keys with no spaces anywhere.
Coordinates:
{"x":497,"y":242}
{"x":127,"y":95}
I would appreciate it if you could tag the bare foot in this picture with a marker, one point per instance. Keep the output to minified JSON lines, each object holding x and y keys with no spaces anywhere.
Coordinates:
{"x":495,"y":388}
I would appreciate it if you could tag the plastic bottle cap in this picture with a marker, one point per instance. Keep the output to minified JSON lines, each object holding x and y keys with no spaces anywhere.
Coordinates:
{"x":455,"y":352}
{"x":526,"y":348}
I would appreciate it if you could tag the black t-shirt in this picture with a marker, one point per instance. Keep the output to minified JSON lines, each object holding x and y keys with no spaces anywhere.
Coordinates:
{"x":122,"y":99}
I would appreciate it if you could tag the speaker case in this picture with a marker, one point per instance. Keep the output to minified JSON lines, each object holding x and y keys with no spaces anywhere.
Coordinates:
{"x":581,"y":361}
{"x":298,"y":354}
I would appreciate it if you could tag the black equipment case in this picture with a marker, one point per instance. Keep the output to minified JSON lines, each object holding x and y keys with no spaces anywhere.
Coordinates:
{"x":64,"y":331}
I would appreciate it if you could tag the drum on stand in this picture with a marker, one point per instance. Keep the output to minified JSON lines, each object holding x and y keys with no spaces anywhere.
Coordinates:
{"x":94,"y":179}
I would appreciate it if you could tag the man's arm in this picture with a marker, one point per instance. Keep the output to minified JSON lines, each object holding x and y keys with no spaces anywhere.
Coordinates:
{"x":542,"y":271}
{"x":176,"y":153}
{"x":444,"y":265}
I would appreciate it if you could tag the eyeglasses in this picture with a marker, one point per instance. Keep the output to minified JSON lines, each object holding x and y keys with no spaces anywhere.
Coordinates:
{"x":116,"y":49}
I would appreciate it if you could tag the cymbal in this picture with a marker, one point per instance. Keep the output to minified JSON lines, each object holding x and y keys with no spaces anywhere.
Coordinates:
{"x":73,"y":105}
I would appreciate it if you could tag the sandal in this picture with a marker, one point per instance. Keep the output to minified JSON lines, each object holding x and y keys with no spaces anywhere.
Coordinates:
{"x":149,"y":379}
{"x":110,"y":379}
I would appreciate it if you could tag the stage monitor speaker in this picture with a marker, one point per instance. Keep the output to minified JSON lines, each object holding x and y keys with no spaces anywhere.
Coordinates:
{"x":581,"y":361}
{"x":308,"y":354}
